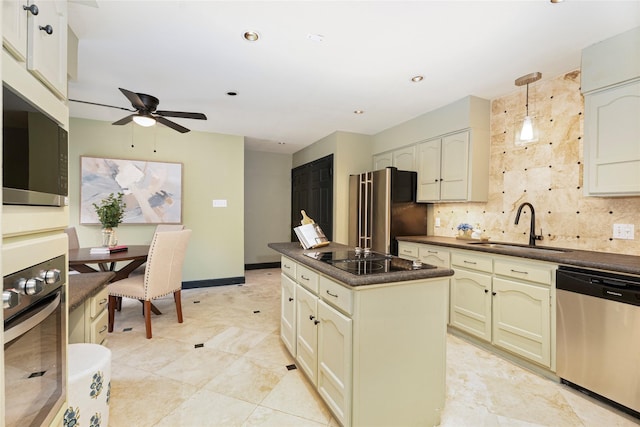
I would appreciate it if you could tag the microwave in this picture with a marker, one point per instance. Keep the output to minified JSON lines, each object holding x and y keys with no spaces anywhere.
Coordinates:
{"x":35,"y":155}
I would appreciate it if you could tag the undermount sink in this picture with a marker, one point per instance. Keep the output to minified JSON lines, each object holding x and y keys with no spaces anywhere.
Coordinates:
{"x":517,"y":246}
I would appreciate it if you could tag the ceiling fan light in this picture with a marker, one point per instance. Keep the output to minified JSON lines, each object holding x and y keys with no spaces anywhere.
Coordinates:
{"x":145,"y":121}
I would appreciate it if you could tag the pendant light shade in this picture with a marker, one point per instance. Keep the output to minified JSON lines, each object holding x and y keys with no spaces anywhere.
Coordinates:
{"x":527,"y":131}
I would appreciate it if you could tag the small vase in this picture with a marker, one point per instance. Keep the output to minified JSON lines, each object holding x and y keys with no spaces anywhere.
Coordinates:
{"x":109,"y":237}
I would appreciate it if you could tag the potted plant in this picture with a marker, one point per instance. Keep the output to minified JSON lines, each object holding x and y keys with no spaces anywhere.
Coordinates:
{"x":110,"y":212}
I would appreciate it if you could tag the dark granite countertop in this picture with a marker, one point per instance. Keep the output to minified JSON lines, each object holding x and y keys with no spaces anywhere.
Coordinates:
{"x":295,"y":252}
{"x":84,"y":286}
{"x":619,"y":263}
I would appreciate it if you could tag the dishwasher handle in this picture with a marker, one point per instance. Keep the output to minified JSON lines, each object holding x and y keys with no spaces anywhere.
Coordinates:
{"x":599,"y":284}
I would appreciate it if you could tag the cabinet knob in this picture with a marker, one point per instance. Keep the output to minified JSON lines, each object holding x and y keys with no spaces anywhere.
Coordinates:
{"x":493,"y":293}
{"x":290,"y":299}
{"x":33,"y":9}
{"x":47,"y":29}
{"x":311,"y":317}
{"x":315,"y":322}
{"x":486,"y":291}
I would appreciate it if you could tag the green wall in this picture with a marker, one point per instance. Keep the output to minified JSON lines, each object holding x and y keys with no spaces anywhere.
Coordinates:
{"x":213,"y":168}
{"x":267,"y":204}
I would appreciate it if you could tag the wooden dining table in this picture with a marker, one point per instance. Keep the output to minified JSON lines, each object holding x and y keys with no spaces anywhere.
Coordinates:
{"x":81,"y":260}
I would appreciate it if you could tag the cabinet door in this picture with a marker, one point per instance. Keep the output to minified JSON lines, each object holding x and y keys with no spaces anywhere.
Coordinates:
{"x":14,"y":28}
{"x":404,"y":158}
{"x":382,"y":160}
{"x":335,"y":361}
{"x":612,"y":141}
{"x":428,"y":159}
{"x":521,"y":320}
{"x":47,"y":53}
{"x":471,"y":303}
{"x":455,"y":166}
{"x":288,"y":313}
{"x":307,"y":333}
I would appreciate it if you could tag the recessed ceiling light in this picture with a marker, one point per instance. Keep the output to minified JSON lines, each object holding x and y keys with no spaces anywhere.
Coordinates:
{"x":281,"y":143}
{"x":251,"y":36}
{"x":232,"y":93}
{"x":358,"y":111}
{"x":417,"y":79}
{"x":557,"y":1}
{"x":315,"y":37}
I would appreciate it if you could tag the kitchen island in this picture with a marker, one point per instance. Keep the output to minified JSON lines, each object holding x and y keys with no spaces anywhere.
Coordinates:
{"x":373,"y":345}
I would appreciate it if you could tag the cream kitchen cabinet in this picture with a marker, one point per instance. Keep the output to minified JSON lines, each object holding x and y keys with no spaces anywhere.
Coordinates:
{"x":470,"y":302}
{"x":505,"y":301}
{"x":612,"y":141}
{"x":88,"y":323}
{"x":402,"y":158}
{"x":39,"y":39}
{"x":362,"y":370}
{"x":408,"y":250}
{"x":288,"y":313}
{"x":453,"y":167}
{"x":522,"y":300}
{"x":435,"y":255}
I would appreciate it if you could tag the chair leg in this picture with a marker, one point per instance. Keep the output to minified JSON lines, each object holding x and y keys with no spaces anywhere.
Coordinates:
{"x":147,"y":317}
{"x":111,"y":307}
{"x":177,"y":297}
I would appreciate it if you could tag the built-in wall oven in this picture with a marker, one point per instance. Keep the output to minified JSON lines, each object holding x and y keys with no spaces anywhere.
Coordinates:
{"x":35,"y":338}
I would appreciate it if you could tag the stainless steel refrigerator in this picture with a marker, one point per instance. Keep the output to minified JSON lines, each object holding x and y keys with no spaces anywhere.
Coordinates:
{"x":382,"y":205}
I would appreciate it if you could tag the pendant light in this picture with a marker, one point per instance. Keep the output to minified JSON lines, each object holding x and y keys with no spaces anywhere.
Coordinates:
{"x":527,"y":132}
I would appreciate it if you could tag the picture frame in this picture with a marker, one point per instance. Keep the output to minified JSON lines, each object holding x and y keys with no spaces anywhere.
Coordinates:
{"x":152,"y":190}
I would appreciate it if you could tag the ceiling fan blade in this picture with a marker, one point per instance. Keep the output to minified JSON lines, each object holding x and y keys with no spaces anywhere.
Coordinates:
{"x":182,"y":115}
{"x":171,"y":124}
{"x":101,"y":105}
{"x":134,"y":99}
{"x":124,"y":120}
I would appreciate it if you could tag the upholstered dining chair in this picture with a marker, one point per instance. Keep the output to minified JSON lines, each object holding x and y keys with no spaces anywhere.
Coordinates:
{"x":162,"y":276}
{"x":74,"y":243}
{"x":159,"y":229}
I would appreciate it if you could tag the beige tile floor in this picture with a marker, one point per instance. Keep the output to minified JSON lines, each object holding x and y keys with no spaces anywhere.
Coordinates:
{"x":238,"y":377}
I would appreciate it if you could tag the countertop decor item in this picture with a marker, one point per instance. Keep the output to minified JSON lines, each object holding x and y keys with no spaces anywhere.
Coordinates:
{"x":110,"y":212}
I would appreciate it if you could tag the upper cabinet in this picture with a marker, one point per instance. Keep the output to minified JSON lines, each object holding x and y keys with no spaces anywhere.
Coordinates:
{"x":449,"y":150}
{"x":454,"y":167}
{"x":611,"y":87}
{"x":401,"y":158}
{"x":35,"y":32}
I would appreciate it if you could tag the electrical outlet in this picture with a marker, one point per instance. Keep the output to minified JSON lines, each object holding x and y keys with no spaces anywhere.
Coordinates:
{"x":623,"y":231}
{"x":437,"y":221}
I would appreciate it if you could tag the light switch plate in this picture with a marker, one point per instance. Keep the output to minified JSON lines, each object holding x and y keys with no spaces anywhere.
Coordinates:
{"x":623,"y":231}
{"x":219,"y":203}
{"x":437,"y":221}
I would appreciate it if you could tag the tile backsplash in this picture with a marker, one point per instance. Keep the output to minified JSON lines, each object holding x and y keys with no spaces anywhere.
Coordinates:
{"x":547,"y":174}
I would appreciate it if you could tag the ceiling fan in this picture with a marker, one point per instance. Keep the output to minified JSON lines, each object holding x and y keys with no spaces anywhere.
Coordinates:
{"x":146,"y":113}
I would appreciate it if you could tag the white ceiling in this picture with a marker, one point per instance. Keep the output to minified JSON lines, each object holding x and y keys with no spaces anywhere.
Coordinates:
{"x":295,"y":90}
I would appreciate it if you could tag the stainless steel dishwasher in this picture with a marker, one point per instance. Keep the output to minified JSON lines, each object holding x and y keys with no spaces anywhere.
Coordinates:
{"x":598,"y":335}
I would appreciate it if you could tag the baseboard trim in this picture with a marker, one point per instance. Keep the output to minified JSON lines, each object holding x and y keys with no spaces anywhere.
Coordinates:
{"x":262,"y":265}
{"x":193,"y":284}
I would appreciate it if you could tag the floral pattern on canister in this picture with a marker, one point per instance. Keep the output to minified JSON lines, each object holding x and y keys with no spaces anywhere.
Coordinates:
{"x":96,"y":385}
{"x":108,"y":392}
{"x":96,"y":420}
{"x":71,"y":417}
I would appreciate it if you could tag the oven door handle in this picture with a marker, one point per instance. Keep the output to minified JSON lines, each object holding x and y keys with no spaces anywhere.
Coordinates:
{"x":33,"y":320}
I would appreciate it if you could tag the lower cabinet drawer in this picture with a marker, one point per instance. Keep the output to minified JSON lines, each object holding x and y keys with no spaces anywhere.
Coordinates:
{"x":99,"y":302}
{"x":336,"y":295}
{"x":98,"y":328}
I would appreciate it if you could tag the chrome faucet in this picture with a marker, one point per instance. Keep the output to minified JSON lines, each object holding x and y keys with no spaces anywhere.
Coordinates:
{"x":532,"y":232}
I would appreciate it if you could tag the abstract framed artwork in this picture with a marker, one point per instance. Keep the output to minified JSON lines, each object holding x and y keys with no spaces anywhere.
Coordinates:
{"x":152,"y":190}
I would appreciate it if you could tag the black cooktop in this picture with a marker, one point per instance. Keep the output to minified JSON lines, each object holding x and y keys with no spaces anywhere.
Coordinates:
{"x":361,"y":263}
